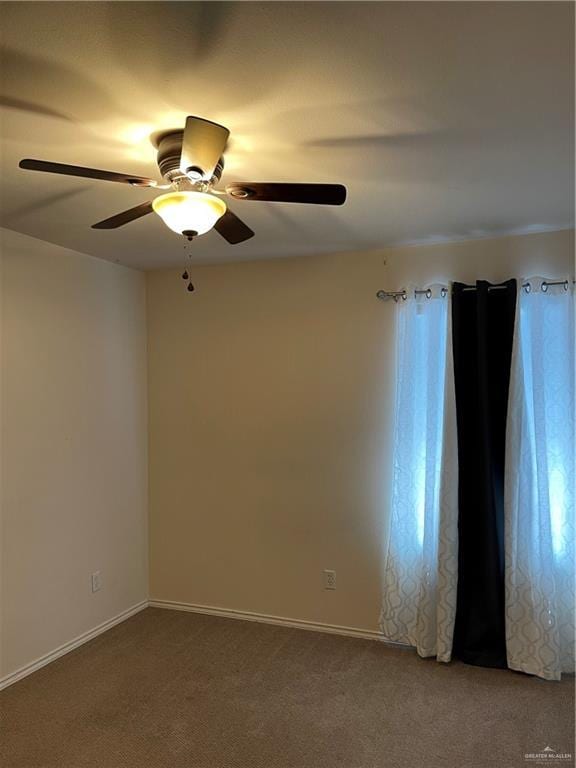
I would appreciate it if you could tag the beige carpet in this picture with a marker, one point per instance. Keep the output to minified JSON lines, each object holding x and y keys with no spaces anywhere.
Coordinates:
{"x":179,"y":690}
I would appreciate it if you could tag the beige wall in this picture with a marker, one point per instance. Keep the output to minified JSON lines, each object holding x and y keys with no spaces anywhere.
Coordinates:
{"x":270,"y":392}
{"x":73,"y":428}
{"x":270,"y":395}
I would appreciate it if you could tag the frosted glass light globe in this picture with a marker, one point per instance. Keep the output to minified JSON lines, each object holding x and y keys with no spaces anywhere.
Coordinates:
{"x":185,"y":211}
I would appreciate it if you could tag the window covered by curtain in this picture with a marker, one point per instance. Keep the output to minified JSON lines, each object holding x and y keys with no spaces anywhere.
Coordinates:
{"x":421,"y":561}
{"x":482,"y":332}
{"x":540,"y":484}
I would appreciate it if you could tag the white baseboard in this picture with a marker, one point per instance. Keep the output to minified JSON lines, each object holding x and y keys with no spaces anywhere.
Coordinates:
{"x":230,"y":613}
{"x":71,"y":645}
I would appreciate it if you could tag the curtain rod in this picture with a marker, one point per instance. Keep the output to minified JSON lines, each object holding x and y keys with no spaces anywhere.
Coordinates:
{"x":444,"y":291}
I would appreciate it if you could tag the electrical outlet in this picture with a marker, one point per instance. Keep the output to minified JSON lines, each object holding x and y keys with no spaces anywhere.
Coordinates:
{"x":329,"y":579}
{"x":96,"y":581}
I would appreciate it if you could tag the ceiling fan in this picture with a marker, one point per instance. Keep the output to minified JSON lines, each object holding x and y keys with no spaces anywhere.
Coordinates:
{"x":191,"y":161}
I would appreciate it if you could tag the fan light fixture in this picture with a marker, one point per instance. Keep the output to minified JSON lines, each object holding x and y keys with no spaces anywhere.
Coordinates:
{"x":189,"y":211}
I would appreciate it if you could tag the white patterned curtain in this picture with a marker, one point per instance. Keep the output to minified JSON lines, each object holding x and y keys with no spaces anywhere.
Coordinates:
{"x":540,"y":484}
{"x":421,"y":563}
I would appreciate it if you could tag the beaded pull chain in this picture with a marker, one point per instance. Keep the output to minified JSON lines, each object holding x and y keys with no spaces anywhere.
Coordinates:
{"x":185,"y":276}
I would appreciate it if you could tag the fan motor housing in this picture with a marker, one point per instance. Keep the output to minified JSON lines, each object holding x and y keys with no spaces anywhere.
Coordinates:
{"x":169,"y":146}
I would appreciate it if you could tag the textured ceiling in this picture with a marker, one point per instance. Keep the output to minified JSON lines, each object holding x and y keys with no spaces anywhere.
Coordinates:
{"x":445,"y":120}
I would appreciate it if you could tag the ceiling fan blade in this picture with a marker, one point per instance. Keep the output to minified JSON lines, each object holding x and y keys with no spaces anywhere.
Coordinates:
{"x":88,"y":173}
{"x":232,"y":228}
{"x":125,"y":217}
{"x":203,"y":144}
{"x":318,"y":194}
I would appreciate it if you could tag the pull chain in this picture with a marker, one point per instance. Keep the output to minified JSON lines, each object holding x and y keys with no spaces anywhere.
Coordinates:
{"x":189,"y":235}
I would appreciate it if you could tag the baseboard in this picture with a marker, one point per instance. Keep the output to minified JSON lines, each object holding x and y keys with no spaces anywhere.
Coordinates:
{"x":71,"y":645}
{"x":230,"y":613}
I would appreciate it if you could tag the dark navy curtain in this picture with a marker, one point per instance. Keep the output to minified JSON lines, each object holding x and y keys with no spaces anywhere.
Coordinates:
{"x":482,"y":334}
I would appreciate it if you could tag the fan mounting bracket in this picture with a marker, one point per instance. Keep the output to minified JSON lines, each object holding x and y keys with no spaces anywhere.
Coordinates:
{"x":242,"y":193}
{"x":137,"y":183}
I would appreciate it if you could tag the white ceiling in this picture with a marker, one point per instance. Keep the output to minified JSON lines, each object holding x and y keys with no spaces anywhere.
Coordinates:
{"x":444,"y":120}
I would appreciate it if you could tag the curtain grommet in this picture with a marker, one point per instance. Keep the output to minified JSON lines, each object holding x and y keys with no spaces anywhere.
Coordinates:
{"x":527,"y":287}
{"x":544,"y":286}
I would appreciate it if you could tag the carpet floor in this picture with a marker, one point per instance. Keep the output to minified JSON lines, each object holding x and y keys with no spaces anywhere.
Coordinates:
{"x":167,"y":689}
